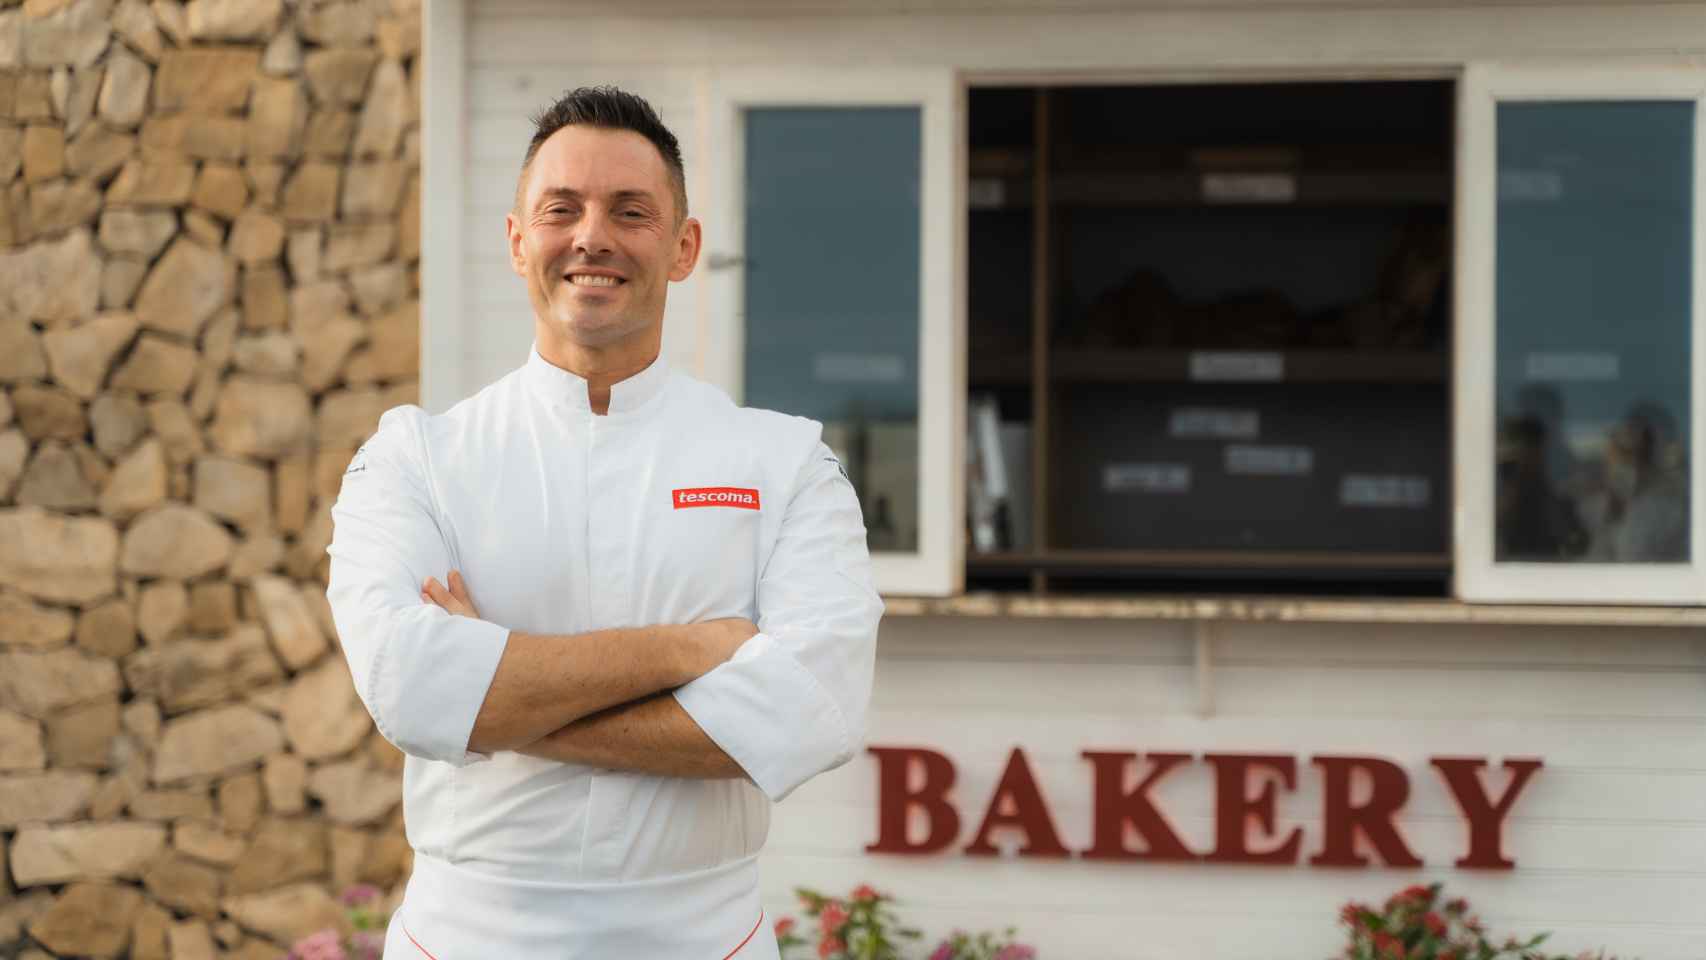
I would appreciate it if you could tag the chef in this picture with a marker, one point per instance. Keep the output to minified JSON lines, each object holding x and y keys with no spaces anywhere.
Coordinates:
{"x":609,"y":616}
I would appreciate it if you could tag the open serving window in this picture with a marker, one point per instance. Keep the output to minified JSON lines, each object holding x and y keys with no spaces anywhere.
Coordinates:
{"x":1209,"y":337}
{"x":1580,"y":354}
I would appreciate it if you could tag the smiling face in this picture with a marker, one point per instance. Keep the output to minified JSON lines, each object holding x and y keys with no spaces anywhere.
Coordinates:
{"x":597,"y":235}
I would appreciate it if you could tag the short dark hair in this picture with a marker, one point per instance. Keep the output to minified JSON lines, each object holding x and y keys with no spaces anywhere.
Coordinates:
{"x":612,"y":109}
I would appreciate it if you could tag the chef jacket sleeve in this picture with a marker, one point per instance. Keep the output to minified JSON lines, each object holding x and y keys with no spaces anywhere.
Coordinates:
{"x":791,"y":702}
{"x":422,"y":672}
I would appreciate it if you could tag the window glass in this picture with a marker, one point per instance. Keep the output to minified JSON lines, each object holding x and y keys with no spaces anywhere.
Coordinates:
{"x":1595,"y":220}
{"x":832,"y":291}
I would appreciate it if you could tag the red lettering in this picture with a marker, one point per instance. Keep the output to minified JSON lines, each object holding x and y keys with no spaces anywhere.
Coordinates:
{"x":1029,"y":814}
{"x":897,"y":797}
{"x":1234,"y":808}
{"x":1116,"y":807}
{"x":1485,"y":817}
{"x":1341,"y":819}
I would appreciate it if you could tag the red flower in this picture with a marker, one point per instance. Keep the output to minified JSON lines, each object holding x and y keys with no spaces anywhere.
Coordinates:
{"x":1447,"y":955}
{"x":864,"y":894}
{"x":1435,"y":925}
{"x":834,"y":915}
{"x":829,"y":946}
{"x":784,"y":926}
{"x":1351,"y":915}
{"x":1421,"y":893}
{"x":1388,"y":944}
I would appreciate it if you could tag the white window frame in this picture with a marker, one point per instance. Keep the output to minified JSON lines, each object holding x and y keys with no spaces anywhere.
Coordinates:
{"x":937,"y":568}
{"x":1478,"y":577}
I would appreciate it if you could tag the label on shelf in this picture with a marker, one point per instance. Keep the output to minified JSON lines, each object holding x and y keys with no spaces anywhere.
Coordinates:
{"x":1269,"y":461}
{"x":1384,"y":490}
{"x":1215,"y":422}
{"x":1249,"y":187}
{"x":1237,"y":365}
{"x":1146,"y":478}
{"x":986,"y":193}
{"x":858,"y":368}
{"x":1572,"y":366}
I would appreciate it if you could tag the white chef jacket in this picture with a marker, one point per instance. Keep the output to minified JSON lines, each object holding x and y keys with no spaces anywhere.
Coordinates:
{"x":676,"y":507}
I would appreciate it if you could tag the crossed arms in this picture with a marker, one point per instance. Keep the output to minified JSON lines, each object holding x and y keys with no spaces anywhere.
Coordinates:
{"x":776,"y":701}
{"x":596,"y":698}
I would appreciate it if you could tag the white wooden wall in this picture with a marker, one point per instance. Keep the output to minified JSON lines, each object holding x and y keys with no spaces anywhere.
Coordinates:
{"x":1609,"y":838}
{"x":516,"y":54}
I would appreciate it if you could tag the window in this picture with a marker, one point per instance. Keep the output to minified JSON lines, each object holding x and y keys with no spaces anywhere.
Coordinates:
{"x":1581,"y":309}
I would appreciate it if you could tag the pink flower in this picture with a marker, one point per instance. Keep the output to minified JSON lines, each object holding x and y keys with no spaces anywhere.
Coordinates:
{"x":367,"y":945}
{"x":784,"y":927}
{"x":864,"y":893}
{"x":359,"y":895}
{"x":829,"y":946}
{"x":319,"y":946}
{"x":1016,"y":951}
{"x":834,"y":915}
{"x":944,"y":951}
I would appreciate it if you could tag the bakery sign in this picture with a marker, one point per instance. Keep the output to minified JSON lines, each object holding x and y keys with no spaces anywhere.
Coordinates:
{"x":1363,"y":797}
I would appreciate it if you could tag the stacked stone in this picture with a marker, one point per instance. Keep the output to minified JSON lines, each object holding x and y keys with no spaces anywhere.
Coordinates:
{"x":209,"y":239}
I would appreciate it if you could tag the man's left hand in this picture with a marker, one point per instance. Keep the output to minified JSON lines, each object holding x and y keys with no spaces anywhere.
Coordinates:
{"x":454,"y":600}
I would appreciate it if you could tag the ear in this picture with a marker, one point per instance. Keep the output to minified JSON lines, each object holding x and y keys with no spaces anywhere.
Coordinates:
{"x":517,"y":252}
{"x":686,"y":250}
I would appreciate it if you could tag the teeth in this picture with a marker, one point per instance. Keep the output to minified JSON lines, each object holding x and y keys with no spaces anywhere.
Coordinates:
{"x":589,"y":280}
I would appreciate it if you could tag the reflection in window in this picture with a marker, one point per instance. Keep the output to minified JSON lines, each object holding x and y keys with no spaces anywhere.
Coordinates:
{"x":1595,"y":220}
{"x":832,"y":292}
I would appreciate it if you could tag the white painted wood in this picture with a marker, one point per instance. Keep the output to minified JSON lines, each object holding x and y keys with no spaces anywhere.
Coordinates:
{"x":1165,"y":41}
{"x":1610,"y":836}
{"x":1478,"y":577}
{"x":937,"y":567}
{"x":444,"y":145}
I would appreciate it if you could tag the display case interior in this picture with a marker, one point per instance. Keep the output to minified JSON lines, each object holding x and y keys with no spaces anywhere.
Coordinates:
{"x":1215,"y":322}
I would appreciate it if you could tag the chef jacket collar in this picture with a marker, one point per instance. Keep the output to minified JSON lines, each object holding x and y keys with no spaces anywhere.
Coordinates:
{"x":555,"y":385}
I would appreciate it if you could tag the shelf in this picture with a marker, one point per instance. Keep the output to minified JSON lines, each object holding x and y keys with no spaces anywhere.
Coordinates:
{"x":1081,"y":561}
{"x":1078,"y":365}
{"x":1238,"y":177}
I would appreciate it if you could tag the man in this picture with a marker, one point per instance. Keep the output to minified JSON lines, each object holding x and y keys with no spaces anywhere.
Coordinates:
{"x":608,"y":615}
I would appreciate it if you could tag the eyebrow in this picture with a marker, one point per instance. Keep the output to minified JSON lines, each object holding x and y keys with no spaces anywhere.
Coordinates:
{"x":569,"y":193}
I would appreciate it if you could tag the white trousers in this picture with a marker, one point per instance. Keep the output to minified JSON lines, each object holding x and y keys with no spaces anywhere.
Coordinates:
{"x":453,"y":913}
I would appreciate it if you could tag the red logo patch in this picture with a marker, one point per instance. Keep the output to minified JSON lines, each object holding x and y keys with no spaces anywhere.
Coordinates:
{"x":743,"y":498}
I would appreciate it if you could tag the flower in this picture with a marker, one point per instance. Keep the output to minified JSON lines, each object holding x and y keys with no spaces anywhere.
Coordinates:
{"x":1418,"y":893}
{"x":367,"y":945}
{"x":864,"y":894}
{"x":1351,"y":915}
{"x":943,"y":951}
{"x":1389,"y":945}
{"x":1435,"y":925}
{"x":830,"y":946}
{"x":319,"y":946}
{"x":834,"y":915}
{"x":359,"y":895}
{"x":1458,"y":905}
{"x":1016,"y":951}
{"x":784,"y":926}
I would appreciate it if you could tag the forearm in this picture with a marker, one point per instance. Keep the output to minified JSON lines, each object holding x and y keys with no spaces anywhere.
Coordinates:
{"x":653,"y":735}
{"x":545,"y":682}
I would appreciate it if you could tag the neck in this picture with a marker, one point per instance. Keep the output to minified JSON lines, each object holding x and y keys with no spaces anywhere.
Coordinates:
{"x":602,"y":367}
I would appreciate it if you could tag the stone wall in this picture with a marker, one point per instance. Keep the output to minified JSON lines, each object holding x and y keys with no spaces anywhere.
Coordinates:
{"x":209,"y":238}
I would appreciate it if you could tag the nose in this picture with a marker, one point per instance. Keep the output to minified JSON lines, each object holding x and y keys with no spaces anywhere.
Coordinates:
{"x":593,"y":237}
